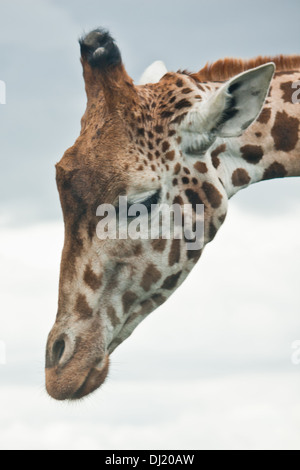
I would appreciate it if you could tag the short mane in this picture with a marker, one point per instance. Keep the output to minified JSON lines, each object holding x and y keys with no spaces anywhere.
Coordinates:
{"x":223,"y":69}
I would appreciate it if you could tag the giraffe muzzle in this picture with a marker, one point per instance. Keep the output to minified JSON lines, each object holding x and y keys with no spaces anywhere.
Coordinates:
{"x":74,"y":369}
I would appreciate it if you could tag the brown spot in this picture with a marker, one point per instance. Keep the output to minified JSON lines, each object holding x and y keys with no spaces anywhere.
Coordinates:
{"x":171,"y":133}
{"x":167,"y":114}
{"x":112,"y":315}
{"x":194,"y":254}
{"x":137,"y":249}
{"x":150,"y":276}
{"x":264,"y":116}
{"x":212,"y":231}
{"x":193,"y":198}
{"x":145,"y":307}
{"x":82,"y":307}
{"x":240,"y":177}
{"x":215,"y":162}
{"x":222,"y":218}
{"x":178,"y":200}
{"x":185,"y":91}
{"x":177,"y":168}
{"x":179,"y":83}
{"x":185,"y":180}
{"x":159,"y":129}
{"x":215,"y":153}
{"x":158,"y":299}
{"x":200,"y":87}
{"x":287,"y":91}
{"x":91,"y":229}
{"x":276,"y":170}
{"x":179,"y":118}
{"x":201,"y":167}
{"x":128,"y":299}
{"x":170,"y":155}
{"x":174,"y":255}
{"x":183,"y":104}
{"x":285,"y":132}
{"x":252,"y":153}
{"x":258,"y":134}
{"x":186,"y":170}
{"x":159,"y":244}
{"x":175,"y":182}
{"x":165,"y":146}
{"x":171,"y":281}
{"x":213,"y":195}
{"x":91,"y":279}
{"x":218,"y":150}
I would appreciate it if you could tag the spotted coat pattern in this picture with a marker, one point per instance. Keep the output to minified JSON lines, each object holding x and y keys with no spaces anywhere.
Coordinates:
{"x":131,"y":142}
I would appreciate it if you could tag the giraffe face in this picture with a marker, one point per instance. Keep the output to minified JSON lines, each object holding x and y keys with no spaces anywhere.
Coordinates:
{"x":148,"y":143}
{"x":107,"y":287}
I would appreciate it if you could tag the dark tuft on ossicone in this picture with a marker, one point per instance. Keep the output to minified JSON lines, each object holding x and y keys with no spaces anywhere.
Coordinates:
{"x":100,"y":49}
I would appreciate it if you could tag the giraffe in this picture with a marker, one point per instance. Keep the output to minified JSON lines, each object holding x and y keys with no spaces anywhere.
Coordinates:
{"x":185,"y":138}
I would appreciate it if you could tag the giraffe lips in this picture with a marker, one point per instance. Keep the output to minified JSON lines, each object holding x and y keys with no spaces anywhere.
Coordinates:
{"x":93,"y":381}
{"x":63,"y":385}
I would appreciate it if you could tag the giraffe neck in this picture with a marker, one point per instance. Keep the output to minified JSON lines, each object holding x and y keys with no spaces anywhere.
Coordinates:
{"x":270,"y":148}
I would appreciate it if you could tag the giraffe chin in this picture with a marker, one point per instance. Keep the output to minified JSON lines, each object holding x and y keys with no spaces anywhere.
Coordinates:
{"x":62,"y":387}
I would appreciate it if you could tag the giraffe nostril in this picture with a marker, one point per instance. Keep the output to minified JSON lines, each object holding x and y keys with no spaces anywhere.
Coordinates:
{"x":58,"y":350}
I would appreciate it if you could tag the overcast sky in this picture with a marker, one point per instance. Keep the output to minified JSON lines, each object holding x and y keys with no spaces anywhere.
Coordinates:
{"x":39,"y":62}
{"x":222,"y":375}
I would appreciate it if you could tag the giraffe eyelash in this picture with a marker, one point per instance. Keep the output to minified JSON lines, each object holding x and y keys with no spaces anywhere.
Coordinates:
{"x":153,"y":199}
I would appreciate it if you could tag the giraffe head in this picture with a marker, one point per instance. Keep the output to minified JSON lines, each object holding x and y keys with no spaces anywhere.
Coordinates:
{"x":147,"y":143}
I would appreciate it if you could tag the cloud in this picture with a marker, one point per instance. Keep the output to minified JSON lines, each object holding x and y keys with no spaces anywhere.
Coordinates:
{"x":210,"y":369}
{"x":247,"y":411}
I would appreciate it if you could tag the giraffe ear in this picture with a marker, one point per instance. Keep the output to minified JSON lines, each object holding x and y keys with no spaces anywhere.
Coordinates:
{"x":230,"y":110}
{"x":242,"y":99}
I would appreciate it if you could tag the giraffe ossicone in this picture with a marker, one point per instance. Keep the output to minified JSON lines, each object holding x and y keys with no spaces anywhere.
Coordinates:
{"x":153,"y":73}
{"x":186,"y":139}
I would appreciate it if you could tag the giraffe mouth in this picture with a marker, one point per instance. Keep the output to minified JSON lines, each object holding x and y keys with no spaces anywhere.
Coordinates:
{"x":93,"y":381}
{"x":66,"y":386}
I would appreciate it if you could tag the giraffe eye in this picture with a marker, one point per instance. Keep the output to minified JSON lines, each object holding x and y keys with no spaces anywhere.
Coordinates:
{"x":143,"y":199}
{"x":151,"y":198}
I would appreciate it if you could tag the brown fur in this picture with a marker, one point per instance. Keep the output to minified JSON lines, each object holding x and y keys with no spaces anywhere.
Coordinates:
{"x":223,"y":69}
{"x":130,"y":139}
